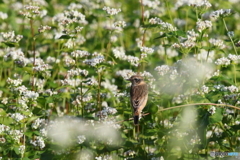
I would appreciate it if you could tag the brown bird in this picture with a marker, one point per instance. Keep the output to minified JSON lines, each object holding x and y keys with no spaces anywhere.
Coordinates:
{"x":138,"y":96}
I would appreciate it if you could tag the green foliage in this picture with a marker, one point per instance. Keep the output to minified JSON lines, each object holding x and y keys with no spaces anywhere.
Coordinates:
{"x":63,"y":88}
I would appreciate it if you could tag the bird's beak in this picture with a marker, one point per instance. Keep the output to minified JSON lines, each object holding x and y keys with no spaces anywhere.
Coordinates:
{"x":128,"y":80}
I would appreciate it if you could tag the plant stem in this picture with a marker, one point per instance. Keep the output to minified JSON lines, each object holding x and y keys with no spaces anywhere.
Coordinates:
{"x":225,"y":25}
{"x":197,"y":104}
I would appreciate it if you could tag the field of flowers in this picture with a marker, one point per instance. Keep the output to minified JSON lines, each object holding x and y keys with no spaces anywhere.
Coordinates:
{"x":63,"y":71}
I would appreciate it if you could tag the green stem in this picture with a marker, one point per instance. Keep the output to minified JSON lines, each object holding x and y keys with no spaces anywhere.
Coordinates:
{"x":225,"y":25}
{"x":235,"y":74}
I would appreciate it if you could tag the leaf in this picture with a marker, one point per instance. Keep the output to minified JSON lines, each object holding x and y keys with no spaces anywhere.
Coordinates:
{"x":16,"y":149}
{"x":64,"y":37}
{"x":162,"y":36}
{"x":11,"y":44}
{"x":217,"y":116}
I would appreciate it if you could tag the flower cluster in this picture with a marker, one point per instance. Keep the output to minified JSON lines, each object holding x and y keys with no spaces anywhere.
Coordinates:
{"x":203,"y":25}
{"x":221,"y":13}
{"x":111,"y":11}
{"x":11,"y":37}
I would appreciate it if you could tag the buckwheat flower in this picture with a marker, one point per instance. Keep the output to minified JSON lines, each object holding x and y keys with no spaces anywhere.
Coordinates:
{"x":155,"y":20}
{"x":173,"y":74}
{"x":232,"y":88}
{"x":79,"y":54}
{"x":38,"y":142}
{"x":205,"y":89}
{"x":16,"y":134}
{"x":41,"y":67}
{"x":3,"y":15}
{"x":147,"y":50}
{"x":133,"y":60}
{"x":164,"y":26}
{"x":111,"y":11}
{"x":202,"y":25}
{"x":31,"y":95}
{"x":14,"y":82}
{"x":11,"y":37}
{"x":212,"y":110}
{"x":77,"y":72}
{"x":119,"y":25}
{"x":195,"y":3}
{"x":202,"y":3}
{"x":163,"y":69}
{"x":81,"y":139}
{"x":30,"y":11}
{"x":119,"y":52}
{"x":17,"y":116}
{"x":4,"y":100}
{"x":113,"y":38}
{"x":129,"y":153}
{"x":74,"y":6}
{"x":221,"y":13}
{"x":192,"y":35}
{"x":233,"y":57}
{"x":95,"y":61}
{"x":223,"y":61}
{"x":22,"y":149}
{"x":68,"y":61}
{"x":125,"y":74}
{"x":217,"y":43}
{"x":13,"y":54}
{"x":188,"y":44}
{"x":42,"y":28}
{"x":78,"y":29}
{"x":37,"y":123}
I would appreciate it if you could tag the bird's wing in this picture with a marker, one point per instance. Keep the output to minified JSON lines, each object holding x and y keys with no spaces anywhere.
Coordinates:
{"x":139,"y":95}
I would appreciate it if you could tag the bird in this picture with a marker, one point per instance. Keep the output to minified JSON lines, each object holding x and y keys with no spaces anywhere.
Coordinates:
{"x":138,"y":96}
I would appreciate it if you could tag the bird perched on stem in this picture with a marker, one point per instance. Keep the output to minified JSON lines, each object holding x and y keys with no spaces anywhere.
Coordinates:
{"x":138,"y":96}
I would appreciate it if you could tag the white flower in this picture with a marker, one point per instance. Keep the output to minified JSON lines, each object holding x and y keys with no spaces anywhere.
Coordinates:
{"x":167,"y":27}
{"x":162,"y":70}
{"x":95,"y":61}
{"x":13,"y":82}
{"x":119,"y":52}
{"x":3,"y":15}
{"x":202,"y":25}
{"x":205,"y":89}
{"x":233,"y":57}
{"x":221,"y":13}
{"x":79,"y":54}
{"x":212,"y":110}
{"x":17,"y":116}
{"x":38,"y":142}
{"x":217,"y":43}
{"x":119,"y":25}
{"x":22,"y":149}
{"x":155,"y":20}
{"x":81,"y":139}
{"x":31,"y":95}
{"x":111,"y":11}
{"x":146,"y":50}
{"x":223,"y":61}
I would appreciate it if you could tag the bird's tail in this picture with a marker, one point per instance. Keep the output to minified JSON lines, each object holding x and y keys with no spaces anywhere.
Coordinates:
{"x":136,"y":119}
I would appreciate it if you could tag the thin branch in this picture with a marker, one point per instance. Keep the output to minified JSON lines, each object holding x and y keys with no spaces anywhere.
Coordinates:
{"x":196,"y":104}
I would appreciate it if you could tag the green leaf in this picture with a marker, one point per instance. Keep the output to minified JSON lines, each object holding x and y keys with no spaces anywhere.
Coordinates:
{"x":16,"y":149}
{"x":65,"y":37}
{"x":11,"y":44}
{"x":217,"y":116}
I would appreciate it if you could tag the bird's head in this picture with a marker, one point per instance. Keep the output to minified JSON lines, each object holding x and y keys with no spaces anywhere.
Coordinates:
{"x":136,"y":79}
